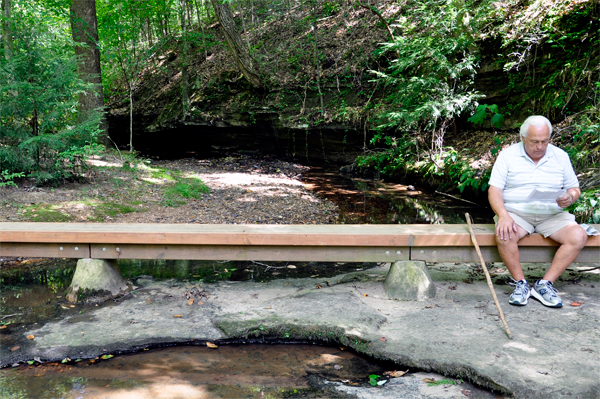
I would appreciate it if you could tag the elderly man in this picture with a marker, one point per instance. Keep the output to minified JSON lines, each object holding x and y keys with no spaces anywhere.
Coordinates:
{"x":535,"y":164}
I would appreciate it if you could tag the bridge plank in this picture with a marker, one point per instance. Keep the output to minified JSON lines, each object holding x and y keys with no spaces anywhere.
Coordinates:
{"x":268,"y":242}
{"x":245,"y":252}
{"x":304,"y":235}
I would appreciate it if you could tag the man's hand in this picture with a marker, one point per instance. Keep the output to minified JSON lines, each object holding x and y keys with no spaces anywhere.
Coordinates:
{"x":506,"y":227}
{"x":565,"y":200}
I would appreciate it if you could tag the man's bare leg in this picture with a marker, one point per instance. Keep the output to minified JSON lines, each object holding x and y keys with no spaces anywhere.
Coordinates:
{"x":572,"y":239}
{"x":509,"y":252}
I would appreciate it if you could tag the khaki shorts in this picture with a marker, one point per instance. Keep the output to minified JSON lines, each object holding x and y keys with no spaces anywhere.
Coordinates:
{"x":542,"y":224}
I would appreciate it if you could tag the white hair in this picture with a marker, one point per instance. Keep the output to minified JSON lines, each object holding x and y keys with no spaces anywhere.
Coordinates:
{"x":537,"y":121}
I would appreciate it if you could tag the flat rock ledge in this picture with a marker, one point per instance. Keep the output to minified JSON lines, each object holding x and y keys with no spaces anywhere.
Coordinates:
{"x":554,"y":352}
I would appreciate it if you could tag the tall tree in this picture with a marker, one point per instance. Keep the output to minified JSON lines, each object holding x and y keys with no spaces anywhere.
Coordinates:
{"x":84,"y":28}
{"x":241,"y":53}
{"x":185,"y":98}
{"x":7,"y":29}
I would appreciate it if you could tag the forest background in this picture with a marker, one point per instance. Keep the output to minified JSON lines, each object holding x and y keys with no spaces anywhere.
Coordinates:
{"x":435,"y":88}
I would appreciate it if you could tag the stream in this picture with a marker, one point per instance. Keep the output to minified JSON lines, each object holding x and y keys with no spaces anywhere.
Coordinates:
{"x":363,"y":201}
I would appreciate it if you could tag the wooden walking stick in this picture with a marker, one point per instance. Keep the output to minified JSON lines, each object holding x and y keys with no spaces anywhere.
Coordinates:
{"x":487,"y":275}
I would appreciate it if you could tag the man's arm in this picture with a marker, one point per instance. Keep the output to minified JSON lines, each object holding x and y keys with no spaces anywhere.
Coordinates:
{"x":569,"y":198}
{"x":506,"y":226}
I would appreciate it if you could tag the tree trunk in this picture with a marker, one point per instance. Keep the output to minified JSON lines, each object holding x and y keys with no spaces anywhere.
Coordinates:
{"x":240,"y":52}
{"x":130,"y":119}
{"x":185,"y":98}
{"x":84,"y":29}
{"x":7,"y":29}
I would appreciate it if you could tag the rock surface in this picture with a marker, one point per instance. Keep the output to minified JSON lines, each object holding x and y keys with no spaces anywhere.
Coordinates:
{"x":96,"y":275}
{"x":409,"y":280}
{"x":553,"y":353}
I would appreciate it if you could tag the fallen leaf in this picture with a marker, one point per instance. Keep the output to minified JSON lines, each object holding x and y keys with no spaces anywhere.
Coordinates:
{"x":395,"y":374}
{"x":106,"y":357}
{"x":191,"y":301}
{"x":211,"y":345}
{"x":452,"y":287}
{"x":365,"y":295}
{"x":4,"y":326}
{"x":291,"y":267}
{"x":342,"y":348}
{"x":575,"y":304}
{"x":319,"y":286}
{"x":428,"y":380}
{"x":71,"y":306}
{"x":30,"y":337}
{"x":354,"y":383}
{"x":148,"y":301}
{"x":15,"y":348}
{"x":199,"y":303}
{"x":315,"y":275}
{"x":466,"y":392}
{"x":382,"y":339}
{"x":177,"y":316}
{"x":429,"y":306}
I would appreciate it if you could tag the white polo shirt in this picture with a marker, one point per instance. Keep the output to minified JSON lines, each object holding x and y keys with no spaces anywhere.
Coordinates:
{"x":517,"y":175}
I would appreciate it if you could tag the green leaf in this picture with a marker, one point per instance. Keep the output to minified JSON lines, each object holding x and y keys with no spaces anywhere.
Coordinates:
{"x":373,"y":379}
{"x":478,"y":117}
{"x":497,"y":120}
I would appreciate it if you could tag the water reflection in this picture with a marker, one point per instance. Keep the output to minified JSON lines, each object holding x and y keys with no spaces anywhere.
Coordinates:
{"x":232,"y":371}
{"x":376,"y":202}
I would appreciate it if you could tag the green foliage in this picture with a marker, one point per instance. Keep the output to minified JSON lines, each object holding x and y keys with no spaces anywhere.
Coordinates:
{"x":39,"y":131}
{"x":561,"y":44}
{"x":584,"y":150}
{"x":483,"y":112}
{"x":463,"y":175}
{"x":587,"y":208}
{"x":445,"y":381}
{"x":373,"y":379}
{"x":187,"y":188}
{"x":44,"y":213}
{"x":111,"y":209}
{"x":6,"y":179}
{"x":430,"y":82}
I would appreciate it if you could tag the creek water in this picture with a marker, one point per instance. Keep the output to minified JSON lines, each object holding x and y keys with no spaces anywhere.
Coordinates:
{"x":230,"y":371}
{"x":378,"y":202}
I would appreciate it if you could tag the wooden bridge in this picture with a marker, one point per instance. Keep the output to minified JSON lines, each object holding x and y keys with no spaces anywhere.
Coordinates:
{"x":324,"y":243}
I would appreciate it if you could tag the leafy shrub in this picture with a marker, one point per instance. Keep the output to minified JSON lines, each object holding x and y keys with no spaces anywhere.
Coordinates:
{"x":39,"y":131}
{"x":430,"y":82}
